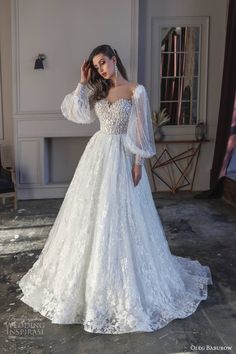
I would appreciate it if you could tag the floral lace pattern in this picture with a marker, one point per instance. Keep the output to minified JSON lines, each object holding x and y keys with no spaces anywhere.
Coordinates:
{"x":106,"y":263}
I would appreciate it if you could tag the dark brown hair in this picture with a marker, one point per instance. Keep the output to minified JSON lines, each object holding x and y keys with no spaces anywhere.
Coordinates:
{"x":98,"y":84}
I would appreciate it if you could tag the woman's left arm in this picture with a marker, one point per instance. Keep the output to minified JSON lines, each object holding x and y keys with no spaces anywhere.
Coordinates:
{"x":140,"y":137}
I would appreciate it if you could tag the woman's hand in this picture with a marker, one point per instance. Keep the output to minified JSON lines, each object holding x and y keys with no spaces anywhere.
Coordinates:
{"x":85,"y":72}
{"x":136,"y":173}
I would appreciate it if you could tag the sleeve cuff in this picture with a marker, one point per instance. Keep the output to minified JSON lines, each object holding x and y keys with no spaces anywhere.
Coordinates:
{"x":80,"y":87}
{"x":139,"y":160}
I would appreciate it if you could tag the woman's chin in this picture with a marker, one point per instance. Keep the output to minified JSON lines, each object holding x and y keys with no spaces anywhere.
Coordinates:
{"x":108,"y":76}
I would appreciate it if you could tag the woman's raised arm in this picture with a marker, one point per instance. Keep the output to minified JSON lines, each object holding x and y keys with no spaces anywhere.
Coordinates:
{"x":76,"y":107}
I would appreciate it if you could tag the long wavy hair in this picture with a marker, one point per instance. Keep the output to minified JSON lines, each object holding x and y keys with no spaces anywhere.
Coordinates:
{"x":99,"y":85}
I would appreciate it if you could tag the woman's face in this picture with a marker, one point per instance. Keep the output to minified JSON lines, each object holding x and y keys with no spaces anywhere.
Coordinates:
{"x":104,"y":65}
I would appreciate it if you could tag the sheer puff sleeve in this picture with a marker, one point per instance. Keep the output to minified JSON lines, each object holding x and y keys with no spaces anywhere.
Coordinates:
{"x":140,"y":137}
{"x":76,"y":107}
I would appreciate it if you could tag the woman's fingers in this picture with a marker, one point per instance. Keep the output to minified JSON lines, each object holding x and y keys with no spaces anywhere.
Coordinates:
{"x":136,"y":182}
{"x":136,"y":175}
{"x":85,"y":70}
{"x":133,"y":176}
{"x":89,"y":73}
{"x":85,"y":64}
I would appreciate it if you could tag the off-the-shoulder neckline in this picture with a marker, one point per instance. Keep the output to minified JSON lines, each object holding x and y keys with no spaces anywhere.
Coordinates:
{"x":134,"y":92}
{"x":124,"y":98}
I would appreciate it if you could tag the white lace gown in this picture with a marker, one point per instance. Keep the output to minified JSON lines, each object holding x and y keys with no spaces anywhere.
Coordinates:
{"x":106,"y":263}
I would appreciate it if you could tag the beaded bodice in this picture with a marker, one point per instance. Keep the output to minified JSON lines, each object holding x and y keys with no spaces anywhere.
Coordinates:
{"x":114,"y":116}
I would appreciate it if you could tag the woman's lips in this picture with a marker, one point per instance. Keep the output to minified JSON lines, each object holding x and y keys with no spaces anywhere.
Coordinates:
{"x":104,"y":74}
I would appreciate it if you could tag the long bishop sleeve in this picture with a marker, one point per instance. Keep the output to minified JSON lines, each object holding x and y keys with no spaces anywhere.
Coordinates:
{"x":75,"y":106}
{"x":140,"y":137}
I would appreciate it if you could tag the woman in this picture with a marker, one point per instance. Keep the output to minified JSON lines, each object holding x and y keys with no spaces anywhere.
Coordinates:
{"x":106,"y":263}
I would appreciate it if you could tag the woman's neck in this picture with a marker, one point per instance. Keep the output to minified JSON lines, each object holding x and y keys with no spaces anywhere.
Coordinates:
{"x":119,"y":81}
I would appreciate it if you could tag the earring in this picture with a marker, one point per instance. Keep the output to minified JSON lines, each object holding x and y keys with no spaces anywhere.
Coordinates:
{"x":116,"y":71}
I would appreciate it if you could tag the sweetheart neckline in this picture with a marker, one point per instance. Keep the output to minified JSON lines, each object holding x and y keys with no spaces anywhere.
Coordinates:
{"x":119,"y":99}
{"x":122,"y":98}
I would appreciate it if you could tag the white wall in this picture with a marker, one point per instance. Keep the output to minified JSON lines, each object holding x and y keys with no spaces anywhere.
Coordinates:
{"x":66,"y":32}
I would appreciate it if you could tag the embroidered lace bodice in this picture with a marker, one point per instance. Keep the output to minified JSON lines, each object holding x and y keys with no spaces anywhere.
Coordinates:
{"x":124,"y":116}
{"x":113,"y":117}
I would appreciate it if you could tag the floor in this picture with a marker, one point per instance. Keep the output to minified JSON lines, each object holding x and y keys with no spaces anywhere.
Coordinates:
{"x":202,"y":229}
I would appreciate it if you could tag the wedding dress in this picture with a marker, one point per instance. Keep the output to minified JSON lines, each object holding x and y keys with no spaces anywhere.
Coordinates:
{"x":106,"y":263}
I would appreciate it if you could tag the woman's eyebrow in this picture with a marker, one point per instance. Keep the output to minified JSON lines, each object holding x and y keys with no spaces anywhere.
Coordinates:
{"x":98,"y":61}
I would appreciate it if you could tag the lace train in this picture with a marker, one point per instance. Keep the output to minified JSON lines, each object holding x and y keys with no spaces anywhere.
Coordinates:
{"x":106,"y":263}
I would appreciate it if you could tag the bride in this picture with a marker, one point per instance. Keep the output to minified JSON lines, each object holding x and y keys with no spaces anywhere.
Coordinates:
{"x":106,"y":263}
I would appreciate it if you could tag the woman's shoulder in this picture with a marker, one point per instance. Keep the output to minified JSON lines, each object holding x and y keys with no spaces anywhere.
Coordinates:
{"x":135,"y":85}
